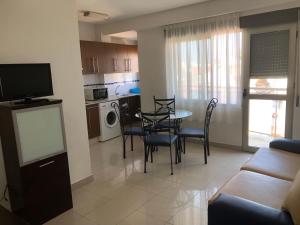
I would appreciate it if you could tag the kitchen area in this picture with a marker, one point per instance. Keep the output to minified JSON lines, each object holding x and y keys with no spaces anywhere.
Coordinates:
{"x":110,"y":74}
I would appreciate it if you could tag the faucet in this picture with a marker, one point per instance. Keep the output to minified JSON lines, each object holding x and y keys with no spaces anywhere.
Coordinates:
{"x":117,"y":93}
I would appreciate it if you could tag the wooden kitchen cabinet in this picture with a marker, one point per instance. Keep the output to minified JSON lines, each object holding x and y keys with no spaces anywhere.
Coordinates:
{"x":89,"y":57}
{"x":108,"y":57}
{"x":120,"y":58}
{"x":93,"y":120}
{"x":134,"y":106}
{"x":132,"y":55}
{"x":99,"y":57}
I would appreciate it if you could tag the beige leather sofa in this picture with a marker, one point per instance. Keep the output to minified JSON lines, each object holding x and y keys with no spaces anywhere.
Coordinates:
{"x":265,"y":191}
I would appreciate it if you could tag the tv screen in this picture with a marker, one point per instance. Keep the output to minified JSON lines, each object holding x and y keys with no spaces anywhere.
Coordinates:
{"x":20,"y":81}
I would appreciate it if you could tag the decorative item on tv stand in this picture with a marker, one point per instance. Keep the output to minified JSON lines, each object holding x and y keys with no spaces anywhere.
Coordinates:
{"x":33,"y":144}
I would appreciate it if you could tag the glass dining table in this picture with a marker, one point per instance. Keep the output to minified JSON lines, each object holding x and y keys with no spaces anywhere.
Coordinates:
{"x":178,"y":116}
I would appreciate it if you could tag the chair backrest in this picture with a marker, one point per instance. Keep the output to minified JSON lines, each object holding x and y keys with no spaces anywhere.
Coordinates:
{"x":164,"y":104}
{"x":151,"y":120}
{"x":211,"y":105}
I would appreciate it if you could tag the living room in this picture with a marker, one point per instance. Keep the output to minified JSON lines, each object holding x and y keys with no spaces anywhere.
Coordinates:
{"x":243,"y":54}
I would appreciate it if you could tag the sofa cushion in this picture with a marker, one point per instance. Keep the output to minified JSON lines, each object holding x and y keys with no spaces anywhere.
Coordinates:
{"x":274,"y":162}
{"x":265,"y":190}
{"x":292,"y":201}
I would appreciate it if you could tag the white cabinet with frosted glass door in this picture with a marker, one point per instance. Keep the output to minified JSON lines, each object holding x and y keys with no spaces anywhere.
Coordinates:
{"x":35,"y":159}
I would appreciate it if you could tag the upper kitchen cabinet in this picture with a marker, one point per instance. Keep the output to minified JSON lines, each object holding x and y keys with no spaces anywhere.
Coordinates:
{"x":133,"y":62}
{"x":109,"y":58}
{"x":120,"y":58}
{"x":99,"y":58}
{"x":91,"y":57}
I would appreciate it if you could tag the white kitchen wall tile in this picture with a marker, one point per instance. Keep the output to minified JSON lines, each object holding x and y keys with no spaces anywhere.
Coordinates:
{"x":93,"y":79}
{"x":123,"y":81}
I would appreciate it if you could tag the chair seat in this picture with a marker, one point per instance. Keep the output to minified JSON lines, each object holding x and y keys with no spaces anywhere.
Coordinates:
{"x":160,"y":139}
{"x":191,"y":132}
{"x":165,"y":124}
{"x":136,"y":131}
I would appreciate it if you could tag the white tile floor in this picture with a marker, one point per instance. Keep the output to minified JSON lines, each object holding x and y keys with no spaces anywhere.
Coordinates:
{"x":122,"y":194}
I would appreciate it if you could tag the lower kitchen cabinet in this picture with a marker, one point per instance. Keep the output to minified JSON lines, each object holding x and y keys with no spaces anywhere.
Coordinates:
{"x":134,"y":106}
{"x":93,"y":120}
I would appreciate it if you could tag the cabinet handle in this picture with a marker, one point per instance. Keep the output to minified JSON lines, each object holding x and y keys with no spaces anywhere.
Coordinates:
{"x":93,"y":107}
{"x":89,"y":119}
{"x":93,"y":65}
{"x":129,"y":62}
{"x":1,"y":86}
{"x":115,"y":65}
{"x":98,"y":64}
{"x":46,"y":164}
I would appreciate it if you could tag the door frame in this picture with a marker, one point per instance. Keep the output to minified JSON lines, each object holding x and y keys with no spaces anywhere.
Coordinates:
{"x":292,"y":27}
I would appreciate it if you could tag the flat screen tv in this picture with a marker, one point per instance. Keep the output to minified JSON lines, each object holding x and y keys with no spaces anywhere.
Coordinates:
{"x":25,"y":81}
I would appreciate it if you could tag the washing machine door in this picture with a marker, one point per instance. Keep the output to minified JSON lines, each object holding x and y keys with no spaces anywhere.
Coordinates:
{"x":111,"y":118}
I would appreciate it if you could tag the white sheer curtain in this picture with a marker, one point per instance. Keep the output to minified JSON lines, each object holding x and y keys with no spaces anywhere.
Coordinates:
{"x":203,"y":60}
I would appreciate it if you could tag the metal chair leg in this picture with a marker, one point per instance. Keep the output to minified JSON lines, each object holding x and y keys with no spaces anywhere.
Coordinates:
{"x":145,"y":160}
{"x":124,"y":148}
{"x":151,"y":154}
{"x":171,"y":159}
{"x":131,"y":141}
{"x":205,"y":153}
{"x":176,"y":152}
{"x":183,"y":145}
{"x":147,"y":152}
{"x":207,"y":147}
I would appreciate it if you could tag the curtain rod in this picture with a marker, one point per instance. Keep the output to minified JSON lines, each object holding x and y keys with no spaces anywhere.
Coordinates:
{"x":200,"y":19}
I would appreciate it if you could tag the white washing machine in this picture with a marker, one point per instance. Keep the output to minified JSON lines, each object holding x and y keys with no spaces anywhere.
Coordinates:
{"x":109,"y":122}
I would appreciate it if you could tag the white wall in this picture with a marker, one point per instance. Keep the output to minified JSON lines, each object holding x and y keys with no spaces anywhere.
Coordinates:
{"x":151,"y":51}
{"x":47,"y":31}
{"x":87,"y":31}
{"x":196,"y":11}
{"x":92,"y":32}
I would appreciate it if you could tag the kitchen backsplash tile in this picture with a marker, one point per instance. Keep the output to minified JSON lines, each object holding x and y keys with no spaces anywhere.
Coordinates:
{"x":120,"y":82}
{"x":93,"y":79}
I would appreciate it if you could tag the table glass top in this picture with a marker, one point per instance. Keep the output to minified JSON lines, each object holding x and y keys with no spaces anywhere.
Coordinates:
{"x":179,"y":114}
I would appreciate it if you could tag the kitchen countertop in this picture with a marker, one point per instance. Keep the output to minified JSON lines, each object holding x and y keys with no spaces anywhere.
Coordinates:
{"x":110,"y":98}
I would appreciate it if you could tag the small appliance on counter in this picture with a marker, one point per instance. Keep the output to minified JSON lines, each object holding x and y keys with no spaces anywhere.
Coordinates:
{"x":92,"y":94}
{"x":136,"y":90}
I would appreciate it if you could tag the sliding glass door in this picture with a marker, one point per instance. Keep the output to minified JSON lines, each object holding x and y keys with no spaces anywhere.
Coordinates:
{"x":269,"y":62}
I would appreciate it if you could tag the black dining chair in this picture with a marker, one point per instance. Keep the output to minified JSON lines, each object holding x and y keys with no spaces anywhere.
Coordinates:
{"x":127,"y":129}
{"x":165,"y":105}
{"x":202,"y":133}
{"x":154,"y":138}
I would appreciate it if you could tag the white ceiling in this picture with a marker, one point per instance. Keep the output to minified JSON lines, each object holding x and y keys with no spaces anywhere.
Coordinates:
{"x":121,"y":9}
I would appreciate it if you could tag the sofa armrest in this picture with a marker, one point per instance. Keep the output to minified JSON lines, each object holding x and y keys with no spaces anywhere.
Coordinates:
{"x":286,"y":145}
{"x":233,"y":210}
